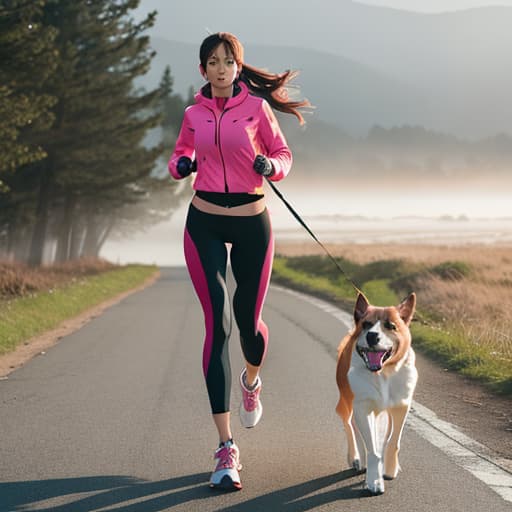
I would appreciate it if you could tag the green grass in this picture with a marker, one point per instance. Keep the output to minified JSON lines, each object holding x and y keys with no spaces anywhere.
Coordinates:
{"x":286,"y":275}
{"x":298,"y":274}
{"x":318,"y":276}
{"x":25,"y":317}
{"x":455,"y":352}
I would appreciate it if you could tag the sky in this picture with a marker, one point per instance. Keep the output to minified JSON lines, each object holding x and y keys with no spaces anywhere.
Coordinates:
{"x":430,"y":6}
{"x":426,"y":6}
{"x":162,"y":244}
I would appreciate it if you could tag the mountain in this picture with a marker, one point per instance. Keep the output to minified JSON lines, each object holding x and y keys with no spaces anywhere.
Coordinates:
{"x":351,"y":96}
{"x":364,"y":121}
{"x":365,"y":65}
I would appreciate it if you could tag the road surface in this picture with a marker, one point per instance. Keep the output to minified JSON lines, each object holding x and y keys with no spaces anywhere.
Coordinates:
{"x":116,"y":417}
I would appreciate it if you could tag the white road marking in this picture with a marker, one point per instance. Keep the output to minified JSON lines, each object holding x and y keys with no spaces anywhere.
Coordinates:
{"x":461,"y":449}
{"x":464,"y":451}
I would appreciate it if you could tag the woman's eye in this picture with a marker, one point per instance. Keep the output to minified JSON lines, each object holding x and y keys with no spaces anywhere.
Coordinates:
{"x":390,"y":325}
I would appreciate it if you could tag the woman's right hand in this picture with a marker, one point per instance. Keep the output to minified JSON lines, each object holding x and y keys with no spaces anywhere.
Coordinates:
{"x":185,"y":166}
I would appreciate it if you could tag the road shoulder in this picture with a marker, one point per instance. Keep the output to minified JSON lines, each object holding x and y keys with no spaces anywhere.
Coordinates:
{"x":40,"y":344}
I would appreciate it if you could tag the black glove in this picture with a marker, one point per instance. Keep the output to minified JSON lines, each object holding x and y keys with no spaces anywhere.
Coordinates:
{"x":262,"y":165}
{"x":185,"y":166}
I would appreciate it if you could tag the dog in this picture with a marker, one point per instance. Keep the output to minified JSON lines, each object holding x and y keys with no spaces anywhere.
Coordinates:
{"x":376,"y":376}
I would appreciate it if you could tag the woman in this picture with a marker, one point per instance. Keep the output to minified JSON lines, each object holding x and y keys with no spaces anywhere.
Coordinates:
{"x":232,"y":140}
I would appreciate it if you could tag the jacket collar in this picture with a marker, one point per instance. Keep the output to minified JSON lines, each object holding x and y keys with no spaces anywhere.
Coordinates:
{"x":204,"y":96}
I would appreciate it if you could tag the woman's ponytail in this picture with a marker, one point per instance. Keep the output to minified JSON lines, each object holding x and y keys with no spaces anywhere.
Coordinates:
{"x":273,"y":87}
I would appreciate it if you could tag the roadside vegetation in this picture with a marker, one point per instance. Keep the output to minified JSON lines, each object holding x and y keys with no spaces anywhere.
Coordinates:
{"x":464,"y":297}
{"x":83,"y":141}
{"x":36,"y":299}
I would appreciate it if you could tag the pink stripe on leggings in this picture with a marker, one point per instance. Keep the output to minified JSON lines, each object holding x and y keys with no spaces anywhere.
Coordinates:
{"x":198,"y":277}
{"x":266,"y":270}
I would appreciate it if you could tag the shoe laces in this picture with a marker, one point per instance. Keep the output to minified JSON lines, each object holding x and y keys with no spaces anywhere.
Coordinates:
{"x":251,"y":398}
{"x":227,"y":457}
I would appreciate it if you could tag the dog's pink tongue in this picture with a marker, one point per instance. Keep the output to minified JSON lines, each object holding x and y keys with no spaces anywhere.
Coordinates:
{"x":375,"y":359}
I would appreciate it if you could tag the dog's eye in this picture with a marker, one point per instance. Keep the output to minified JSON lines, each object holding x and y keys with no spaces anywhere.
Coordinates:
{"x":390,"y":325}
{"x":367,"y":325}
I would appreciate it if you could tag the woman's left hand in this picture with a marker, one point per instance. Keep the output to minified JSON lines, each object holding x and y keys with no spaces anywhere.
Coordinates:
{"x":262,"y":165}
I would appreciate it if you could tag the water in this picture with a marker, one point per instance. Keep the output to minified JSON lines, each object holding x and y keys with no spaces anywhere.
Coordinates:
{"x":162,"y":244}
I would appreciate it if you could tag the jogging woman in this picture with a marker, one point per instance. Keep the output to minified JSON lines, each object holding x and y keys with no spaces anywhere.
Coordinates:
{"x":231,"y":139}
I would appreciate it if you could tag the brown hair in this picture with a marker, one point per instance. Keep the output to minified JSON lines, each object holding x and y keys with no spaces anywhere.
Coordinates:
{"x":270,"y":86}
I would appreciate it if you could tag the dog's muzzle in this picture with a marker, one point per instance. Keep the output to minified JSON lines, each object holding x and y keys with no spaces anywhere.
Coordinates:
{"x":374,"y":359}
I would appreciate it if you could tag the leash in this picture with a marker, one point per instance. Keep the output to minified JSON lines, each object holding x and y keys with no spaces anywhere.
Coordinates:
{"x":305,"y":226}
{"x":417,"y":315}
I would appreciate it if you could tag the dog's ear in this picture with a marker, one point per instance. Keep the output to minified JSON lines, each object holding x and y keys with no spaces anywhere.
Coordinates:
{"x":407,"y":307}
{"x":361,"y":307}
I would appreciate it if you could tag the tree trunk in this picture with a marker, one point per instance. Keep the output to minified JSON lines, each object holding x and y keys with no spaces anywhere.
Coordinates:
{"x":77,"y":238}
{"x":95,"y":237}
{"x":36,"y":252}
{"x":21,"y":244}
{"x":65,"y":230}
{"x":12,"y":232}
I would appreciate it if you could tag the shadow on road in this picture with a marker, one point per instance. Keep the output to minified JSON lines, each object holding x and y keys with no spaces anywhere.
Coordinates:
{"x":128,"y":494}
{"x":109,"y":491}
{"x":305,"y":496}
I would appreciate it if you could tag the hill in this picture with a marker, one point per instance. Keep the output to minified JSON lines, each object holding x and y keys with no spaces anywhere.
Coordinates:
{"x":364,"y":65}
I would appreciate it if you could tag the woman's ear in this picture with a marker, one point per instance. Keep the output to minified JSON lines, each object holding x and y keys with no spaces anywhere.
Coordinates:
{"x":203,"y":72}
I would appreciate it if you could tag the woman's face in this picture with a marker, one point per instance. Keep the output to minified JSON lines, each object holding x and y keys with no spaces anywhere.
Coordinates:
{"x":221,"y":71}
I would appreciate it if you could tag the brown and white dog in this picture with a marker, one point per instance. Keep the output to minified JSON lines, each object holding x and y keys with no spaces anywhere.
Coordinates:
{"x":376,"y":374}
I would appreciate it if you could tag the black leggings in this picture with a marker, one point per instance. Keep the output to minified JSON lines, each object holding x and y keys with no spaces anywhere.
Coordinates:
{"x":251,"y":258}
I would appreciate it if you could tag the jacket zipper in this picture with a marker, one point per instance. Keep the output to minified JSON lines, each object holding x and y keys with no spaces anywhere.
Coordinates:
{"x":217,"y":143}
{"x":226,"y":188}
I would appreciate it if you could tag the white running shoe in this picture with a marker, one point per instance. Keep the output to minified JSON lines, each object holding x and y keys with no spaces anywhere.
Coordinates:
{"x":250,"y":408}
{"x":225,"y":476}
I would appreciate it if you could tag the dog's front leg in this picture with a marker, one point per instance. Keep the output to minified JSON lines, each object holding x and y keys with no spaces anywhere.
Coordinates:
{"x":354,"y":459}
{"x":398,"y":416}
{"x":365,"y":421}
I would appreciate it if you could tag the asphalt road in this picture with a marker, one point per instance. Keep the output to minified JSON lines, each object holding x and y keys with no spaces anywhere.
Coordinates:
{"x":116,"y":417}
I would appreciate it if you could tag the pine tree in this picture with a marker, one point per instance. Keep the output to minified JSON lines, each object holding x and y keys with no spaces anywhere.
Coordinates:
{"x":100,"y":174}
{"x":172,"y":107}
{"x":95,"y":145}
{"x":26,"y":50}
{"x":159,"y":196}
{"x":27,"y":59}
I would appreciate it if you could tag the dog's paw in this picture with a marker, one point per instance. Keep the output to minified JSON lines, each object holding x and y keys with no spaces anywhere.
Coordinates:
{"x":375,"y":488}
{"x":391,"y":473}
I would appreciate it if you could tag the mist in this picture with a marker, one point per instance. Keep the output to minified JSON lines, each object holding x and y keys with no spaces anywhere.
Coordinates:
{"x":411,"y":138}
{"x":351,"y":214}
{"x":434,"y":6}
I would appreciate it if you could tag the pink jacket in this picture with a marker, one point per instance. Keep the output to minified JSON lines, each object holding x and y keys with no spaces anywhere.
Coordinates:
{"x":225,"y":143}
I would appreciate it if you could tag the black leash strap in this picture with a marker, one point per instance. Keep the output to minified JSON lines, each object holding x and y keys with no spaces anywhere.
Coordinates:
{"x":305,"y":226}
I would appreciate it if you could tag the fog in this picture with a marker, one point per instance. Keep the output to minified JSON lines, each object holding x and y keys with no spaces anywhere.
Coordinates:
{"x":433,"y":6}
{"x":346,"y":215}
{"x":364,"y":65}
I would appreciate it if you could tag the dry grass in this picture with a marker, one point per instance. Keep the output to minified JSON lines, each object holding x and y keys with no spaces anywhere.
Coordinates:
{"x":478,"y":305}
{"x":485,"y":256}
{"x":479,"y":309}
{"x":18,"y":280}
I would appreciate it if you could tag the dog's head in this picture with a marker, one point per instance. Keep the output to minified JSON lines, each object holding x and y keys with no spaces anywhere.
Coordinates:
{"x":382,"y":334}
